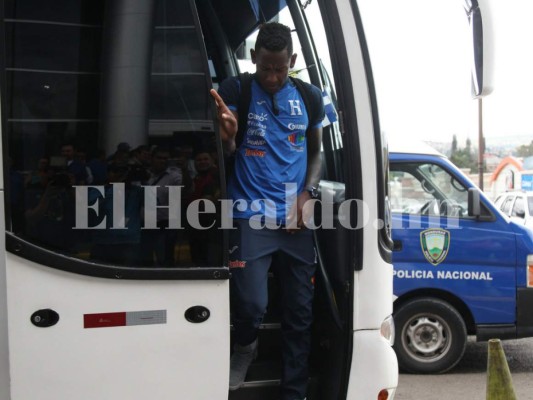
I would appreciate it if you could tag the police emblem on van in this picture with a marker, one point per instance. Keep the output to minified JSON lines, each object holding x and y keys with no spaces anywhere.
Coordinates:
{"x":435,"y":244}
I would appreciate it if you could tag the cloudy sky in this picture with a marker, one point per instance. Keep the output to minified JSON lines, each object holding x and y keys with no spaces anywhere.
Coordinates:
{"x":421,"y":61}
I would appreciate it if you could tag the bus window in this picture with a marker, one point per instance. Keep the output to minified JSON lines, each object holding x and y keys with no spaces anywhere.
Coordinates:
{"x":99,"y":121}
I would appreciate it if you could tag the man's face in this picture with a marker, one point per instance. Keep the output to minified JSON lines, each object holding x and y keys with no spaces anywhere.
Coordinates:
{"x":144,"y":156}
{"x":67,"y":151}
{"x":203,"y":162}
{"x":272,"y":68}
{"x":43,"y":164}
{"x":160,"y":161}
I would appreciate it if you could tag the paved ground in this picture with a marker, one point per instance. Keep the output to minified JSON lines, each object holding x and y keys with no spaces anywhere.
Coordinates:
{"x":468,"y":379}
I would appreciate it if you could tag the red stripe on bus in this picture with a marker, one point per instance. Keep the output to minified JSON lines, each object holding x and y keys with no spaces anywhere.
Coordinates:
{"x":104,"y":320}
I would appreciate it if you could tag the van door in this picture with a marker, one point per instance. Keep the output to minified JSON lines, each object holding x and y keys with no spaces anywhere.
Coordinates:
{"x":453,"y":274}
{"x":111,"y":294}
{"x":439,"y":247}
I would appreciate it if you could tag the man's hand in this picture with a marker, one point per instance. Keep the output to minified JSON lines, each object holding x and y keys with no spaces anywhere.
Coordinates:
{"x":299,"y":214}
{"x":226,"y":118}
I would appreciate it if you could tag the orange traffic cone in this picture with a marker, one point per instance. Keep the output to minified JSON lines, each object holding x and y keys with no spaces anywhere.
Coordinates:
{"x":499,"y":382}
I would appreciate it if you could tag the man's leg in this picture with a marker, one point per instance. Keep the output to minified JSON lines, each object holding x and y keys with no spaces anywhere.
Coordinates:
{"x":297,"y":291}
{"x":249,"y":297}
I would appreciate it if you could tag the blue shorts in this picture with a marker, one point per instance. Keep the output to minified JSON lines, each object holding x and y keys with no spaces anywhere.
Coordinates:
{"x":247,"y":244}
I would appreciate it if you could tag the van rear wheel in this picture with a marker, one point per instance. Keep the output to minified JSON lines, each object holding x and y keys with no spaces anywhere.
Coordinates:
{"x":430,"y":336}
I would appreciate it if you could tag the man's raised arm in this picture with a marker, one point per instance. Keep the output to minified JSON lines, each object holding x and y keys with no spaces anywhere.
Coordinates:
{"x":227,"y":122}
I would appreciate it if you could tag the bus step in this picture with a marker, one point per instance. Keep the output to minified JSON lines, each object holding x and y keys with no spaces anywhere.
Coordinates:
{"x":269,"y":340}
{"x":262,"y":383}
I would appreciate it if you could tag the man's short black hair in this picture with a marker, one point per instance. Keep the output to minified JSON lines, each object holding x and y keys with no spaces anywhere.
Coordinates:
{"x":274,"y":36}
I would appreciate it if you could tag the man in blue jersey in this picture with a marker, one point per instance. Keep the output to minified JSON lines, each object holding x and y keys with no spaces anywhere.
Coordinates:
{"x":277,"y":169}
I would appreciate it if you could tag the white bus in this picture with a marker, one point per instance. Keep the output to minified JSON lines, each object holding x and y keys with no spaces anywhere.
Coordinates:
{"x":88,"y":89}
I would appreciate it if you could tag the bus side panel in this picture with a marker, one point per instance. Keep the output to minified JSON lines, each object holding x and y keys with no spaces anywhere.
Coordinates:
{"x":89,"y":354}
{"x":371,"y":353}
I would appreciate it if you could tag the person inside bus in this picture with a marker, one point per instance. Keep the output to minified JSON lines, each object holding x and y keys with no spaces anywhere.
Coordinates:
{"x":111,"y":245}
{"x":158,"y":245}
{"x":139,"y":164}
{"x":97,"y":166}
{"x":204,"y":243}
{"x":39,"y":178}
{"x":74,"y":166}
{"x":271,"y":155}
{"x":50,"y":211}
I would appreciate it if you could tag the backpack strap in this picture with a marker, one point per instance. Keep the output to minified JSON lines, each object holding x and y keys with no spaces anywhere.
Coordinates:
{"x":310,"y":103}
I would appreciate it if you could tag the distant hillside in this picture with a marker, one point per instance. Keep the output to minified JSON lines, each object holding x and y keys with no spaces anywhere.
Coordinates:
{"x":500,"y":145}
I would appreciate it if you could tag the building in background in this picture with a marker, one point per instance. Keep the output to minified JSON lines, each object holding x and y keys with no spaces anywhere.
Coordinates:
{"x":513,"y":173}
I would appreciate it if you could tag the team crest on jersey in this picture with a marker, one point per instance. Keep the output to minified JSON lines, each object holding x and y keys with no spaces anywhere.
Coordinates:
{"x":435,"y":244}
{"x":295,"y":106}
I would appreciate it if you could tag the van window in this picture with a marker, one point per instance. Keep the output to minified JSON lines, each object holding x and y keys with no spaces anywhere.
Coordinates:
{"x":426,"y":189}
{"x":518,"y":208}
{"x":407,"y":194}
{"x":506,"y":206}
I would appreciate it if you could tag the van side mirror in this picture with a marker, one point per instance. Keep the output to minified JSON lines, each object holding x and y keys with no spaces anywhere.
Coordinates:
{"x":474,"y":202}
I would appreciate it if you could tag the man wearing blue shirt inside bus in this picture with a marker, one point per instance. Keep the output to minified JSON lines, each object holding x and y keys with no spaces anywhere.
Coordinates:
{"x":279,"y":158}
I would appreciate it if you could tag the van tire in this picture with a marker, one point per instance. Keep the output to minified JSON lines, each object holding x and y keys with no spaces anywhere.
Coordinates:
{"x":430,"y":336}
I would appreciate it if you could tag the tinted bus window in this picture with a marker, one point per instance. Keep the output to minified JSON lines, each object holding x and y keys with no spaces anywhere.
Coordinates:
{"x":106,"y":131}
{"x":66,"y":11}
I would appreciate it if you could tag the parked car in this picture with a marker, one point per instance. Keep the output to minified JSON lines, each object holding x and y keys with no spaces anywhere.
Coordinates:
{"x":517,"y":205}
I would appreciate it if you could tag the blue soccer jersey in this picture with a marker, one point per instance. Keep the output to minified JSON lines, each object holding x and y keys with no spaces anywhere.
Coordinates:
{"x":271,"y":162}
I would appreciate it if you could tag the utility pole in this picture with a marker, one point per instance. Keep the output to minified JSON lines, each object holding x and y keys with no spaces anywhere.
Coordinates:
{"x":481,"y":141}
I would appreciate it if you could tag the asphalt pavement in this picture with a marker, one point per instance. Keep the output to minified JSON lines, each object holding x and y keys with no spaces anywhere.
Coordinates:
{"x":468,"y":379}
